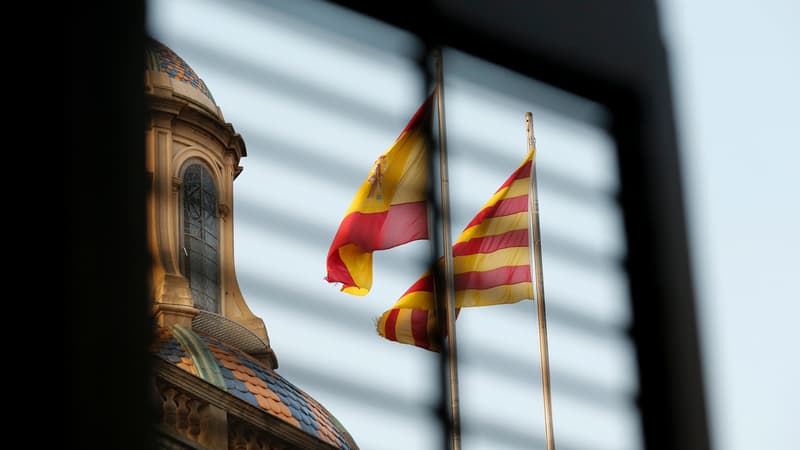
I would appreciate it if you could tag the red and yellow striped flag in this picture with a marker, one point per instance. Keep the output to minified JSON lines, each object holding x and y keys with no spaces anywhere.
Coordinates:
{"x":491,"y":266}
{"x":388,"y":210}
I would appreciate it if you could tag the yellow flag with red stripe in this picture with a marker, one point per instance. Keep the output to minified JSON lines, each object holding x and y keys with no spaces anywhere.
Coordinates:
{"x":491,"y":265}
{"x":389,"y":209}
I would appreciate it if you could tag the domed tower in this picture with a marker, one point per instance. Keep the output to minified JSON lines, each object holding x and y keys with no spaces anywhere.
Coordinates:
{"x":214,"y":372}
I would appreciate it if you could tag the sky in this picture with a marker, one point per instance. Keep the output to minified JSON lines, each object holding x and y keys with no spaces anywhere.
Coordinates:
{"x":735,"y":68}
{"x":316,"y":106}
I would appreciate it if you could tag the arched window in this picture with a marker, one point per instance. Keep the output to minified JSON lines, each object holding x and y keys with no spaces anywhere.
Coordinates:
{"x":200,"y":253}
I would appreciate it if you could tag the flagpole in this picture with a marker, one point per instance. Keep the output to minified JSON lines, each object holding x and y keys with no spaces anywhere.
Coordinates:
{"x":449,"y":346}
{"x":535,"y":239}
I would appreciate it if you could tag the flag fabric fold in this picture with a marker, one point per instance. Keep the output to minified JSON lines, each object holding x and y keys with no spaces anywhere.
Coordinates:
{"x":491,"y":266}
{"x":389,"y":209}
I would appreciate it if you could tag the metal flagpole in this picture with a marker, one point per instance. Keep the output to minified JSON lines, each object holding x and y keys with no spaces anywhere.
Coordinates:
{"x":449,"y":346}
{"x":536,"y":241}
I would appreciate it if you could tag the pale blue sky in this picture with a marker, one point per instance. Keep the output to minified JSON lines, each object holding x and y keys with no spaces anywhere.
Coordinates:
{"x":281,"y":81}
{"x":736,"y":67}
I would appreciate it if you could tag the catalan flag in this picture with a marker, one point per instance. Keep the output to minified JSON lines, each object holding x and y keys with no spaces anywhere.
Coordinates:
{"x":388,"y":210}
{"x":491,"y":265}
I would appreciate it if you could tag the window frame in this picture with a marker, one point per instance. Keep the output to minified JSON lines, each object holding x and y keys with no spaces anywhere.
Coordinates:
{"x":182,"y":236}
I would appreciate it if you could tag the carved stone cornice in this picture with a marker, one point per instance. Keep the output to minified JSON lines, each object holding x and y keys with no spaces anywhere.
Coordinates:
{"x":168,"y":314}
{"x":188,"y":112}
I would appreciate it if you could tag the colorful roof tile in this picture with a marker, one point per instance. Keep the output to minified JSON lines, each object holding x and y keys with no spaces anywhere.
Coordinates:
{"x":160,"y":58}
{"x":250,"y":380}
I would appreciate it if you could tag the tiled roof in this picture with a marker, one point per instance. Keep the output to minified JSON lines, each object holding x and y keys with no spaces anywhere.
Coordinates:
{"x":250,"y":380}
{"x":160,"y":58}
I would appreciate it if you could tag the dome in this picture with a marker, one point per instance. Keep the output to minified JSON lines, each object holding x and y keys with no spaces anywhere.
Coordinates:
{"x":166,"y":71}
{"x":160,"y":58}
{"x":250,"y":380}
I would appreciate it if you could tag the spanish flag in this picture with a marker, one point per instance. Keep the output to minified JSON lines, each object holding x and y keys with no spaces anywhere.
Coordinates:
{"x":389,"y":209}
{"x":491,"y":266}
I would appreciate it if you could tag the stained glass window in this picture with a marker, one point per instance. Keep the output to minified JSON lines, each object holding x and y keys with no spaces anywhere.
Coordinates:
{"x":200,"y":255}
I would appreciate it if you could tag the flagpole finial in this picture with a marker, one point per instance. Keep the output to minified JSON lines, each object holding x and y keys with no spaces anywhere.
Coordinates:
{"x":529,"y":129}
